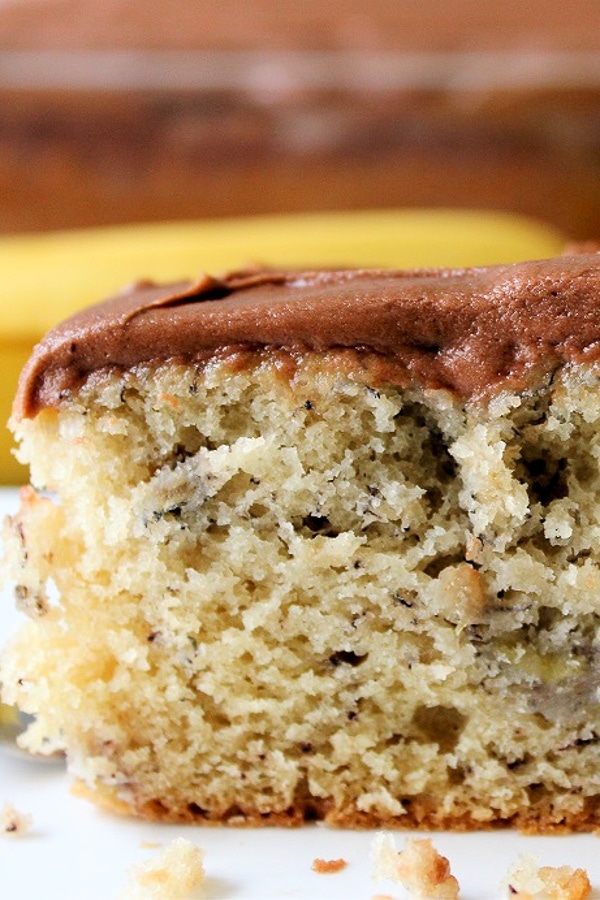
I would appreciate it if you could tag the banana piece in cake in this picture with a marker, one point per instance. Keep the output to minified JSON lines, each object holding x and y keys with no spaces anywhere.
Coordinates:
{"x":319,"y":545}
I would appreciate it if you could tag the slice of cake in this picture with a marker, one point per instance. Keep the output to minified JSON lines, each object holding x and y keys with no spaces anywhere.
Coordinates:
{"x":319,"y":545}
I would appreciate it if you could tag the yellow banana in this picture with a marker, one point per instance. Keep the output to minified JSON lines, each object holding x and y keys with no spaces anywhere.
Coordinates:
{"x":47,"y":277}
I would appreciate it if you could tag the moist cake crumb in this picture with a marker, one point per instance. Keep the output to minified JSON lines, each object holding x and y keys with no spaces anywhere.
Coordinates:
{"x":527,"y":880}
{"x":176,"y":872}
{"x":328,"y":866}
{"x":422,"y":871}
{"x":14,"y":823}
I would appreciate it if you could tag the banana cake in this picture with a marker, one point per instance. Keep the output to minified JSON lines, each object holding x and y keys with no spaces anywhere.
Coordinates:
{"x":319,"y":545}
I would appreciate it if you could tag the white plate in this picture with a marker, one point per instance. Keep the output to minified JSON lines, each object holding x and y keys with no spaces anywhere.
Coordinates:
{"x":75,"y":851}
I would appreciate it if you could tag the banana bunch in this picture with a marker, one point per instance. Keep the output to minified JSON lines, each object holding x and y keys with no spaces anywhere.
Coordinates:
{"x":49,"y":276}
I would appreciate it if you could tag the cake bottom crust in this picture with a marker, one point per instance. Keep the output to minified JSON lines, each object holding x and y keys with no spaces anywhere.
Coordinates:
{"x":419,"y":816}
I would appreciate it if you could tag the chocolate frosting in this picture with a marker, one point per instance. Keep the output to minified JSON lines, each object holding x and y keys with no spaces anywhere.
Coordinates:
{"x":471,"y":331}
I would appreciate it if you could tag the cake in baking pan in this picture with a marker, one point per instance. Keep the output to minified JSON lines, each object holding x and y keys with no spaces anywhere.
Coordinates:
{"x":319,"y":545}
{"x":128,"y":111}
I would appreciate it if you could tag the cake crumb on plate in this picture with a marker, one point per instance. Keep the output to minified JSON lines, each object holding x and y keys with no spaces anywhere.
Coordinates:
{"x":527,"y":880}
{"x":328,"y":866}
{"x":423,"y":871}
{"x":177,"y":871}
{"x":14,"y":823}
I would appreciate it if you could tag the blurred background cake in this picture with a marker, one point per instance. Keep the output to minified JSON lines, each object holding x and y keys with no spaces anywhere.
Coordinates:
{"x":125,"y":111}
